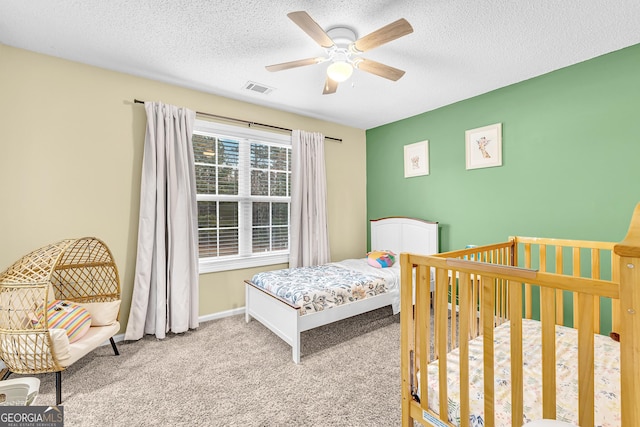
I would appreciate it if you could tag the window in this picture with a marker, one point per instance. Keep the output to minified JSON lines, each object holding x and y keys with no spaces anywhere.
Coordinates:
{"x":243,"y":186}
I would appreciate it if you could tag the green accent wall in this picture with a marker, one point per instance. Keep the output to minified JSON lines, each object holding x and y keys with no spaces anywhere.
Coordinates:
{"x":571,"y":159}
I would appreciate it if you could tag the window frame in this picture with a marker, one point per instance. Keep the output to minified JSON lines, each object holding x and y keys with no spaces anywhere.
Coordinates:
{"x":236,"y":262}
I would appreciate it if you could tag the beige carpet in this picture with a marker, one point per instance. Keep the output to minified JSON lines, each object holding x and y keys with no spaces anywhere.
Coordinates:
{"x":230,"y":373}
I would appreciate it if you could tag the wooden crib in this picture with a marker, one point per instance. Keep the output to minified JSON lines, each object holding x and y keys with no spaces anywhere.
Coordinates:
{"x":591,"y":289}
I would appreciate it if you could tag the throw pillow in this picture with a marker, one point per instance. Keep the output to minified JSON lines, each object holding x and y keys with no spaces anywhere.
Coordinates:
{"x":381,"y":259}
{"x":60,"y":342}
{"x":69,"y":316}
{"x":102,"y":313}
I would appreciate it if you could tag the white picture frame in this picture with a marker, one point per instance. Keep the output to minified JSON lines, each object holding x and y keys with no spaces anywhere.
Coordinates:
{"x":416,"y":159}
{"x":483,"y":146}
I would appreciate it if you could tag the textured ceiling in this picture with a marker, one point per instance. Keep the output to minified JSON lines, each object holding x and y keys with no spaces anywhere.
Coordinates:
{"x":459,"y":48}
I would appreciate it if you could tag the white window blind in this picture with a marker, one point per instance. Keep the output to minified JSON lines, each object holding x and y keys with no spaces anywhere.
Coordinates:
{"x":243,"y":183}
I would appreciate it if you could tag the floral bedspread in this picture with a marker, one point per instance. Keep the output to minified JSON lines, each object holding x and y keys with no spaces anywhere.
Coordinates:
{"x":606,"y":366}
{"x":322,"y":287}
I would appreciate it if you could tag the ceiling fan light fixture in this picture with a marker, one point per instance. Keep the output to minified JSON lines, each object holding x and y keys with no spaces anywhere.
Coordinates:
{"x":343,"y":49}
{"x":339,"y":71}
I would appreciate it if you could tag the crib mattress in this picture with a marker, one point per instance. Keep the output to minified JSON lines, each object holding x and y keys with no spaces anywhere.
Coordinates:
{"x":321,"y":287}
{"x":606,"y":368}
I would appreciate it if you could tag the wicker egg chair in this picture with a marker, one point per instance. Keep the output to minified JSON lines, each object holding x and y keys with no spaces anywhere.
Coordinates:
{"x":76,"y":270}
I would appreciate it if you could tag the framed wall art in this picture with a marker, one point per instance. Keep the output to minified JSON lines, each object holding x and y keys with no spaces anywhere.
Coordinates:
{"x":416,"y":159}
{"x":484,"y":146}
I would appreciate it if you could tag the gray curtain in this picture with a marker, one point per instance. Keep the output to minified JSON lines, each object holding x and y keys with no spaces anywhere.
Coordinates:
{"x":309,"y":222}
{"x":165,"y":290}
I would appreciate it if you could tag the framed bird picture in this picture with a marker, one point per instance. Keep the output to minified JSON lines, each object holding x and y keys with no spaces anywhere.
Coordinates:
{"x":484,"y":146}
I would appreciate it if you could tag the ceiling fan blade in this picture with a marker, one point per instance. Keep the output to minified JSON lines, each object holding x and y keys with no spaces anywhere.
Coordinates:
{"x":294,"y":64}
{"x":330,"y":86}
{"x":383,"y":35}
{"x":379,"y":69}
{"x":311,"y":27}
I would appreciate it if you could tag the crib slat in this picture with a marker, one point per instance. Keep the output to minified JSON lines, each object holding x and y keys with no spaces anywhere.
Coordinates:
{"x":507,"y":305}
{"x":454,"y":292}
{"x":440,"y":319}
{"x":615,"y":304}
{"x":508,"y":260}
{"x":559,"y":292}
{"x":527,"y":287}
{"x":407,"y":363}
{"x":496,"y":301}
{"x":595,"y":274}
{"x":488,"y":351}
{"x":586,"y":399}
{"x":466,"y":312}
{"x":576,"y":272}
{"x":407,"y":336}
{"x":499,"y":296}
{"x":475,"y":284}
{"x":547,"y":318}
{"x":517,"y":382}
{"x":423,"y":322}
{"x":505,"y":301}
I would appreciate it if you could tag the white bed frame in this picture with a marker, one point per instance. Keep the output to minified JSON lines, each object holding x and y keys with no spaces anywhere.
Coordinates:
{"x":397,"y":234}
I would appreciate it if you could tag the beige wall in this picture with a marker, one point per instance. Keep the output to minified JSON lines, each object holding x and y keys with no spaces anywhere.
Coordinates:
{"x":72,"y":145}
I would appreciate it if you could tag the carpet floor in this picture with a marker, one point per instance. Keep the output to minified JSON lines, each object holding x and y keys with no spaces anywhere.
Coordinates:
{"x":231,"y":373}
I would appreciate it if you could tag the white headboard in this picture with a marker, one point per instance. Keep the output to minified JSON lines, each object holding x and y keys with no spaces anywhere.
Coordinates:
{"x":400,"y":234}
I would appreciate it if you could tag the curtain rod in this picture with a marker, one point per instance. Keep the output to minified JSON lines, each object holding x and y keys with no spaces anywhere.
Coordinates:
{"x":215,"y":116}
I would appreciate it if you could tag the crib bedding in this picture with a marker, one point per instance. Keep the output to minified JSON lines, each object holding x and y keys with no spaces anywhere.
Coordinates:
{"x":322,"y":287}
{"x":606,"y":368}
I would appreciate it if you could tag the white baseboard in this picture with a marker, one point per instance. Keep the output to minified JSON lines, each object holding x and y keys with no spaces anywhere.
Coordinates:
{"x":222,"y":314}
{"x":201,"y":319}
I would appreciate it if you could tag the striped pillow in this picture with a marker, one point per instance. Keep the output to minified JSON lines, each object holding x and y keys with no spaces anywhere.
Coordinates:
{"x":71,"y":317}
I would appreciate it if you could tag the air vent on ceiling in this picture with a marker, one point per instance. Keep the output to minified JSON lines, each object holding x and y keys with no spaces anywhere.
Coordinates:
{"x":257,"y":87}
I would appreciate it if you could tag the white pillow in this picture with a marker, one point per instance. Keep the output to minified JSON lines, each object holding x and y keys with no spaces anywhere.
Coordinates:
{"x":60,"y":342}
{"x":102,"y":313}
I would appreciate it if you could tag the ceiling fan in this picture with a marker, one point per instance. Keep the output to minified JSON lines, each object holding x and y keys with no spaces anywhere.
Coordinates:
{"x":343,"y":50}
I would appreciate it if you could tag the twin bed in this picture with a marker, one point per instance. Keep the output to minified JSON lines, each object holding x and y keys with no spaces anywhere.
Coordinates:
{"x":522,"y":330}
{"x":292,"y":301}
